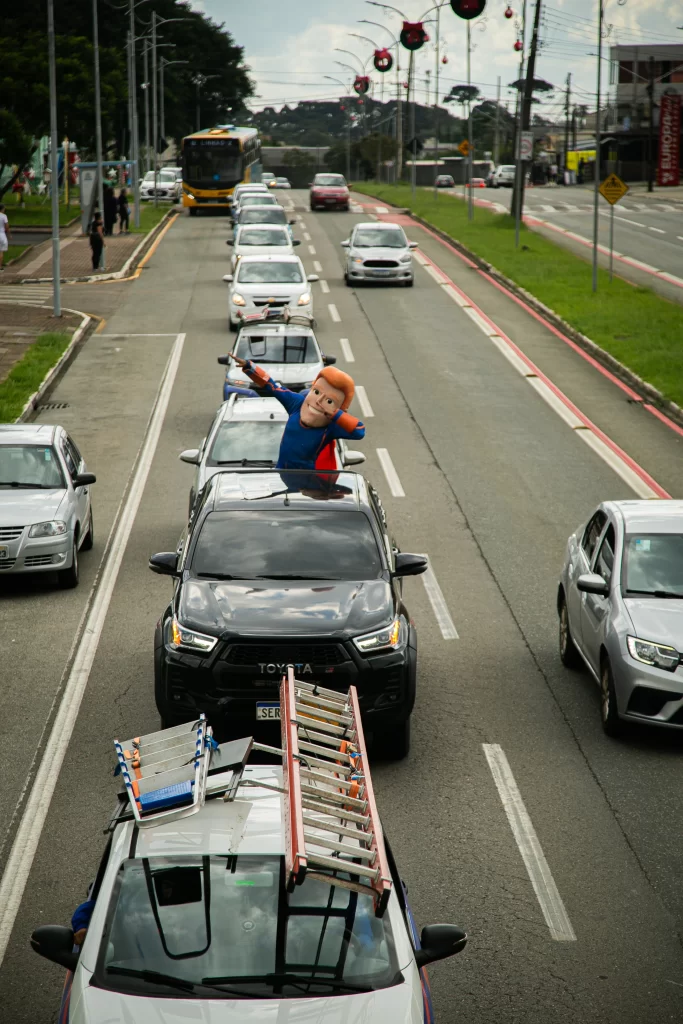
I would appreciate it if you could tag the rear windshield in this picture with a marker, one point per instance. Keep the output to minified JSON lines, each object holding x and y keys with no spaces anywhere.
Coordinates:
{"x":257,"y":199}
{"x":278,"y":348}
{"x":248,"y":440}
{"x":272,"y":214}
{"x":269,"y":273}
{"x":29,"y":466}
{"x":311,"y":544}
{"x":386,"y":238}
{"x":263,"y":236}
{"x":329,"y":179}
{"x":653,"y":564}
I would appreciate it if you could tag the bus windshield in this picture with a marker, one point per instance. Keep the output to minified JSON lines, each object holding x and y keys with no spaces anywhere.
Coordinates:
{"x":212,"y":163}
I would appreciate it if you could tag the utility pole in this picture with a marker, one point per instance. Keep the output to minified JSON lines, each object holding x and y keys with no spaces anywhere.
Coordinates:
{"x":566,"y":125}
{"x":596,"y":189}
{"x":411,"y":86}
{"x":573,"y":129}
{"x":155,"y":106}
{"x":470,"y":198}
{"x":146,"y":69}
{"x":515,"y":206}
{"x":436,"y":105}
{"x":651,"y":126}
{"x":399,"y":121}
{"x":54,"y":177}
{"x":162,"y":62}
{"x":134,"y":155}
{"x":496,"y":131}
{"x":525,"y":120}
{"x":98,"y":120}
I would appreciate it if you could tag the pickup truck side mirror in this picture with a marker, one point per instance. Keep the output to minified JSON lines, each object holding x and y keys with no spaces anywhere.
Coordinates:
{"x":439,"y":941}
{"x":329,"y":360}
{"x":165,"y":563}
{"x":84,"y":479}
{"x":55,"y":943}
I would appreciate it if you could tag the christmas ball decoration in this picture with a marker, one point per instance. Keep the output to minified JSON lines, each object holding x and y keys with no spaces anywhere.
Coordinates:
{"x":509,"y":12}
{"x":361,"y":85}
{"x":518,"y":45}
{"x":413,"y":35}
{"x":383,"y":60}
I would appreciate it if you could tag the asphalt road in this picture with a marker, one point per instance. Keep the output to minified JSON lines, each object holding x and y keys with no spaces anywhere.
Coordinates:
{"x":494,"y":480}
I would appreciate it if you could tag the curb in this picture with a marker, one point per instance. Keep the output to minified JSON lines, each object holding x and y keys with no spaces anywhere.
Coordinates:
{"x":61,"y":364}
{"x":627,"y":376}
{"x":116,"y":275}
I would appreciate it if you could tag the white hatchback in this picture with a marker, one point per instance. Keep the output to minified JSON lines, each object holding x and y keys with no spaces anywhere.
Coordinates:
{"x":261,"y":240}
{"x":272,"y":281}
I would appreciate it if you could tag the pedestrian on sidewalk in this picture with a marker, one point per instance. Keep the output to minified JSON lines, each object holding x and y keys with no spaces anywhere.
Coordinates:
{"x":124,"y":211}
{"x":5,"y":234}
{"x":110,"y":209}
{"x":96,"y":237}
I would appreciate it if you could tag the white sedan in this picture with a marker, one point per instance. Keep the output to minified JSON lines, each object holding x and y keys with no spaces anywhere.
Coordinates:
{"x":167,"y":186}
{"x":261,"y":240}
{"x":272,"y":281}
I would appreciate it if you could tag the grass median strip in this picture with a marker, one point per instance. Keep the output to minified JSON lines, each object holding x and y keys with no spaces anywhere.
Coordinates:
{"x":26,"y":376}
{"x":639,"y":328}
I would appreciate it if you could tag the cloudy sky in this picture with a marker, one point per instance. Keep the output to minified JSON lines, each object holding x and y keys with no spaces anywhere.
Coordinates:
{"x":290,"y":46}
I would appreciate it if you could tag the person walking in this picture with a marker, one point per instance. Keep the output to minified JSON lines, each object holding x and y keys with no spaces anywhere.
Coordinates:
{"x":110,"y":209}
{"x":96,"y":237}
{"x":124,"y":211}
{"x":5,"y":234}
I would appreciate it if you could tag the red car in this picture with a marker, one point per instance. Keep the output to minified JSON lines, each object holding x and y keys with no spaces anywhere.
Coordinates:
{"x":477,"y":183}
{"x":329,"y":192}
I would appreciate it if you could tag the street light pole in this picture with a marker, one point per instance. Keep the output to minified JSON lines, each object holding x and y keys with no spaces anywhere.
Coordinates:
{"x":146,"y":67}
{"x":98,"y":120}
{"x":436,"y":106}
{"x":134,"y":118}
{"x":155,"y":112}
{"x":596,"y":184}
{"x":470,"y":198}
{"x":411,"y":86}
{"x":54,"y":178}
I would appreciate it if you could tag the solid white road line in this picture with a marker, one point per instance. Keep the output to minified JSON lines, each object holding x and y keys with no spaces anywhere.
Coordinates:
{"x":438,"y":603}
{"x":317,"y":267}
{"x":311,"y":250}
{"x":547,"y":894}
{"x":346,"y":349}
{"x":392,"y":478}
{"x":334,"y":313}
{"x":307,"y":237}
{"x":362,"y":397}
{"x":324,"y":287}
{"x":37,"y":806}
{"x":616,"y":463}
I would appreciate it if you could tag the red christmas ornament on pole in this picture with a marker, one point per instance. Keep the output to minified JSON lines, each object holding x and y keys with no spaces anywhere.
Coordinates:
{"x":413,"y":35}
{"x":405,"y":85}
{"x":518,"y":45}
{"x":509,"y":12}
{"x":444,"y":60}
{"x":361,"y":85}
{"x":383,"y":60}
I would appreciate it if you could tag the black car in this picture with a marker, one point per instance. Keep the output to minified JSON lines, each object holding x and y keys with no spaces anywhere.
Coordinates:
{"x":286,"y":568}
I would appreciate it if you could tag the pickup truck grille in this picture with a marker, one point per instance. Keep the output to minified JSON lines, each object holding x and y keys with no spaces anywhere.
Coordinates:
{"x":315,"y":655}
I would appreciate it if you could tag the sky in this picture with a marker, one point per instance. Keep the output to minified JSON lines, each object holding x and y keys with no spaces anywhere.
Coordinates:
{"x":290,"y":46}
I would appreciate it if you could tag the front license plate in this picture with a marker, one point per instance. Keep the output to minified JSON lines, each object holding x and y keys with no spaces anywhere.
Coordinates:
{"x":4,"y":552}
{"x":267,"y":712}
{"x":381,"y":273}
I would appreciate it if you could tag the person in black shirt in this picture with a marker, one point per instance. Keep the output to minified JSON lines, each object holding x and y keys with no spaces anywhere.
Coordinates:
{"x":124,"y":212}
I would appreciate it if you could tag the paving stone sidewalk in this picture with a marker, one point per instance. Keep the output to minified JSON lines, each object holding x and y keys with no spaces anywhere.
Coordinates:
{"x":75,"y":257}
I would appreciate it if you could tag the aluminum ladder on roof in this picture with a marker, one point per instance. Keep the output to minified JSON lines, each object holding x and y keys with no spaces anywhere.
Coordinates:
{"x":165,"y":772}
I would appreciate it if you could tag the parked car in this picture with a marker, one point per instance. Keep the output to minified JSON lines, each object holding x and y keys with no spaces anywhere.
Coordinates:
{"x":504,"y":176}
{"x":476,"y":183}
{"x":620,"y":606}
{"x":378,"y":251}
{"x":247,"y":431}
{"x":268,"y":572}
{"x":261,"y":240}
{"x":273,"y":281}
{"x":282,"y":183}
{"x":167,"y":186}
{"x":444,"y":181}
{"x":328,"y":192}
{"x":46,"y":516}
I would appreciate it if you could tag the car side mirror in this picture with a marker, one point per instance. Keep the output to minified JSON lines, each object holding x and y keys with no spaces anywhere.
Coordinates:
{"x":312,"y":277}
{"x":352,"y":458}
{"x":84,"y":479}
{"x":191,"y":456}
{"x":227,"y":277}
{"x":55,"y":943}
{"x":223,"y":360}
{"x":591,"y":583}
{"x":439,"y":941}
{"x":413,"y":245}
{"x":165,"y":563}
{"x":230,"y":241}
{"x":410,"y":565}
{"x":346,"y":244}
{"x":296,"y":241}
{"x":329,"y":360}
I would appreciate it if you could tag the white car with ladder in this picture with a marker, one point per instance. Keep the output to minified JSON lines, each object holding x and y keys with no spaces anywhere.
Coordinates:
{"x":230,"y":891}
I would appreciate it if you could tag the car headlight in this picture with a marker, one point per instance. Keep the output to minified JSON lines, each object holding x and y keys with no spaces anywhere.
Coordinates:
{"x":357,"y":259}
{"x":238,"y":300}
{"x":651,"y":653}
{"x":406,"y":258}
{"x":304,"y":299}
{"x":55,"y":528}
{"x":188,"y":638}
{"x":392,"y":637}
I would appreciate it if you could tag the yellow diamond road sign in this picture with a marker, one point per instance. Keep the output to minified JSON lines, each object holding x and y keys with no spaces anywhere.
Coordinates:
{"x":613,"y":189}
{"x":464,"y":147}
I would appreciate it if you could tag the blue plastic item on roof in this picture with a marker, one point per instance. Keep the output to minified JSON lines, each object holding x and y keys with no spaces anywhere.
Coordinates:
{"x":169,"y":796}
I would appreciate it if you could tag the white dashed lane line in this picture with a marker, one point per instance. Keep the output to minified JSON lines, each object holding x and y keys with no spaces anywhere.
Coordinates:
{"x":362,"y":397}
{"x":541,"y":878}
{"x":346,"y":349}
{"x":392,"y":477}
{"x":318,"y":267}
{"x":438,"y":603}
{"x":311,"y":250}
{"x":334,"y":313}
{"x":324,"y":287}
{"x":307,"y":237}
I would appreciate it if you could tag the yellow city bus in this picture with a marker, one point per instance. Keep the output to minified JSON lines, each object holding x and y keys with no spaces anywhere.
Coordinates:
{"x":214,"y":160}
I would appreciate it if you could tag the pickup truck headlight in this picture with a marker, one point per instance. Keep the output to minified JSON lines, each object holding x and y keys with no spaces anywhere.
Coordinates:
{"x":652,"y":653}
{"x":55,"y":528}
{"x":189,"y":639}
{"x":304,"y":299}
{"x":392,"y":637}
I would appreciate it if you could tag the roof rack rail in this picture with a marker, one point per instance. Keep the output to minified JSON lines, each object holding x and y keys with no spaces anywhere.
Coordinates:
{"x":282,"y":316}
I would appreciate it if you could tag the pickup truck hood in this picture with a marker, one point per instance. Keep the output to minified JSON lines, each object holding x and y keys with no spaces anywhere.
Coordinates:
{"x":19,"y":507}
{"x":285,"y":607}
{"x":659,"y":619}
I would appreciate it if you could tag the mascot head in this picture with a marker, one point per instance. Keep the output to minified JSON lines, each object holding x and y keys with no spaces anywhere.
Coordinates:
{"x":332,"y":390}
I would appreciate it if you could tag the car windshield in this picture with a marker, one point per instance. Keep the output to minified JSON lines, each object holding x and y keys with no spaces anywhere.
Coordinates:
{"x":226,"y":927}
{"x":320,"y":544}
{"x":272,"y":214}
{"x":29,"y":466}
{"x":263,"y":236}
{"x":379,"y":237}
{"x":653,"y":564}
{"x":257,"y":199}
{"x":329,"y":179}
{"x":246,"y":440}
{"x":269,"y":273}
{"x":277,"y":348}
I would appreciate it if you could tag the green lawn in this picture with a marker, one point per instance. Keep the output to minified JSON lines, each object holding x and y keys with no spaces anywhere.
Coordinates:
{"x":37,"y":212}
{"x":14,"y":251}
{"x":636,"y":326}
{"x":25,"y":378}
{"x":149,"y":216}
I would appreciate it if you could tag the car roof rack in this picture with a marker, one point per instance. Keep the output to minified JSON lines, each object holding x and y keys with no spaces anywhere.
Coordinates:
{"x":277,"y":316}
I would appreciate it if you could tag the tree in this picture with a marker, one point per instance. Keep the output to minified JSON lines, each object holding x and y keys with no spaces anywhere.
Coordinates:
{"x":377,"y":147}
{"x":16,"y":147}
{"x":462,"y":94}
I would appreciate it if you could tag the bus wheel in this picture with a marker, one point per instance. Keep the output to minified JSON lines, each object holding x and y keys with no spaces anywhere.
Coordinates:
{"x":193,"y":211}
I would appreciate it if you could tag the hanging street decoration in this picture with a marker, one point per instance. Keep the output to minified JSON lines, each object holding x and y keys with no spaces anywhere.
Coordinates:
{"x":518,"y":45}
{"x":509,"y":13}
{"x":468,"y":8}
{"x":444,"y":60}
{"x":361,"y":85}
{"x":383,"y":60}
{"x":413,"y":35}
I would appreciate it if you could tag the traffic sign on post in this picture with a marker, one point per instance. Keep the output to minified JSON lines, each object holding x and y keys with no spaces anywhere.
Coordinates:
{"x":613,"y":189}
{"x":464,"y":147}
{"x":526,"y":145}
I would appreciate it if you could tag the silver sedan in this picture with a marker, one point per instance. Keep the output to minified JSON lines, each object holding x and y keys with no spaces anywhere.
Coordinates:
{"x":378,"y":251}
{"x":620,"y":604}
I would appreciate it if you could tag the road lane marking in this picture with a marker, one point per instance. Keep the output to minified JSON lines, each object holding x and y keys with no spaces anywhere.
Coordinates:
{"x":547,"y":894}
{"x":362,"y":397}
{"x":317,"y":267}
{"x":346,"y":349}
{"x":635,"y":223}
{"x":324,"y":287}
{"x":555,"y":403}
{"x":381,"y":209}
{"x":621,"y":468}
{"x":28,"y":834}
{"x":303,"y":226}
{"x":307,"y":237}
{"x":392,"y":478}
{"x":660,"y":231}
{"x":334,"y":312}
{"x":311,"y":250}
{"x":438,"y":603}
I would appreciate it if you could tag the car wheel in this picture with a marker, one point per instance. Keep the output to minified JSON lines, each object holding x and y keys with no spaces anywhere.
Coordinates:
{"x":232,"y":326}
{"x":312,"y":208}
{"x":193,"y":211}
{"x":394,"y":744}
{"x":68,"y":578}
{"x":609,"y":713}
{"x":89,"y":538}
{"x":569,"y":656}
